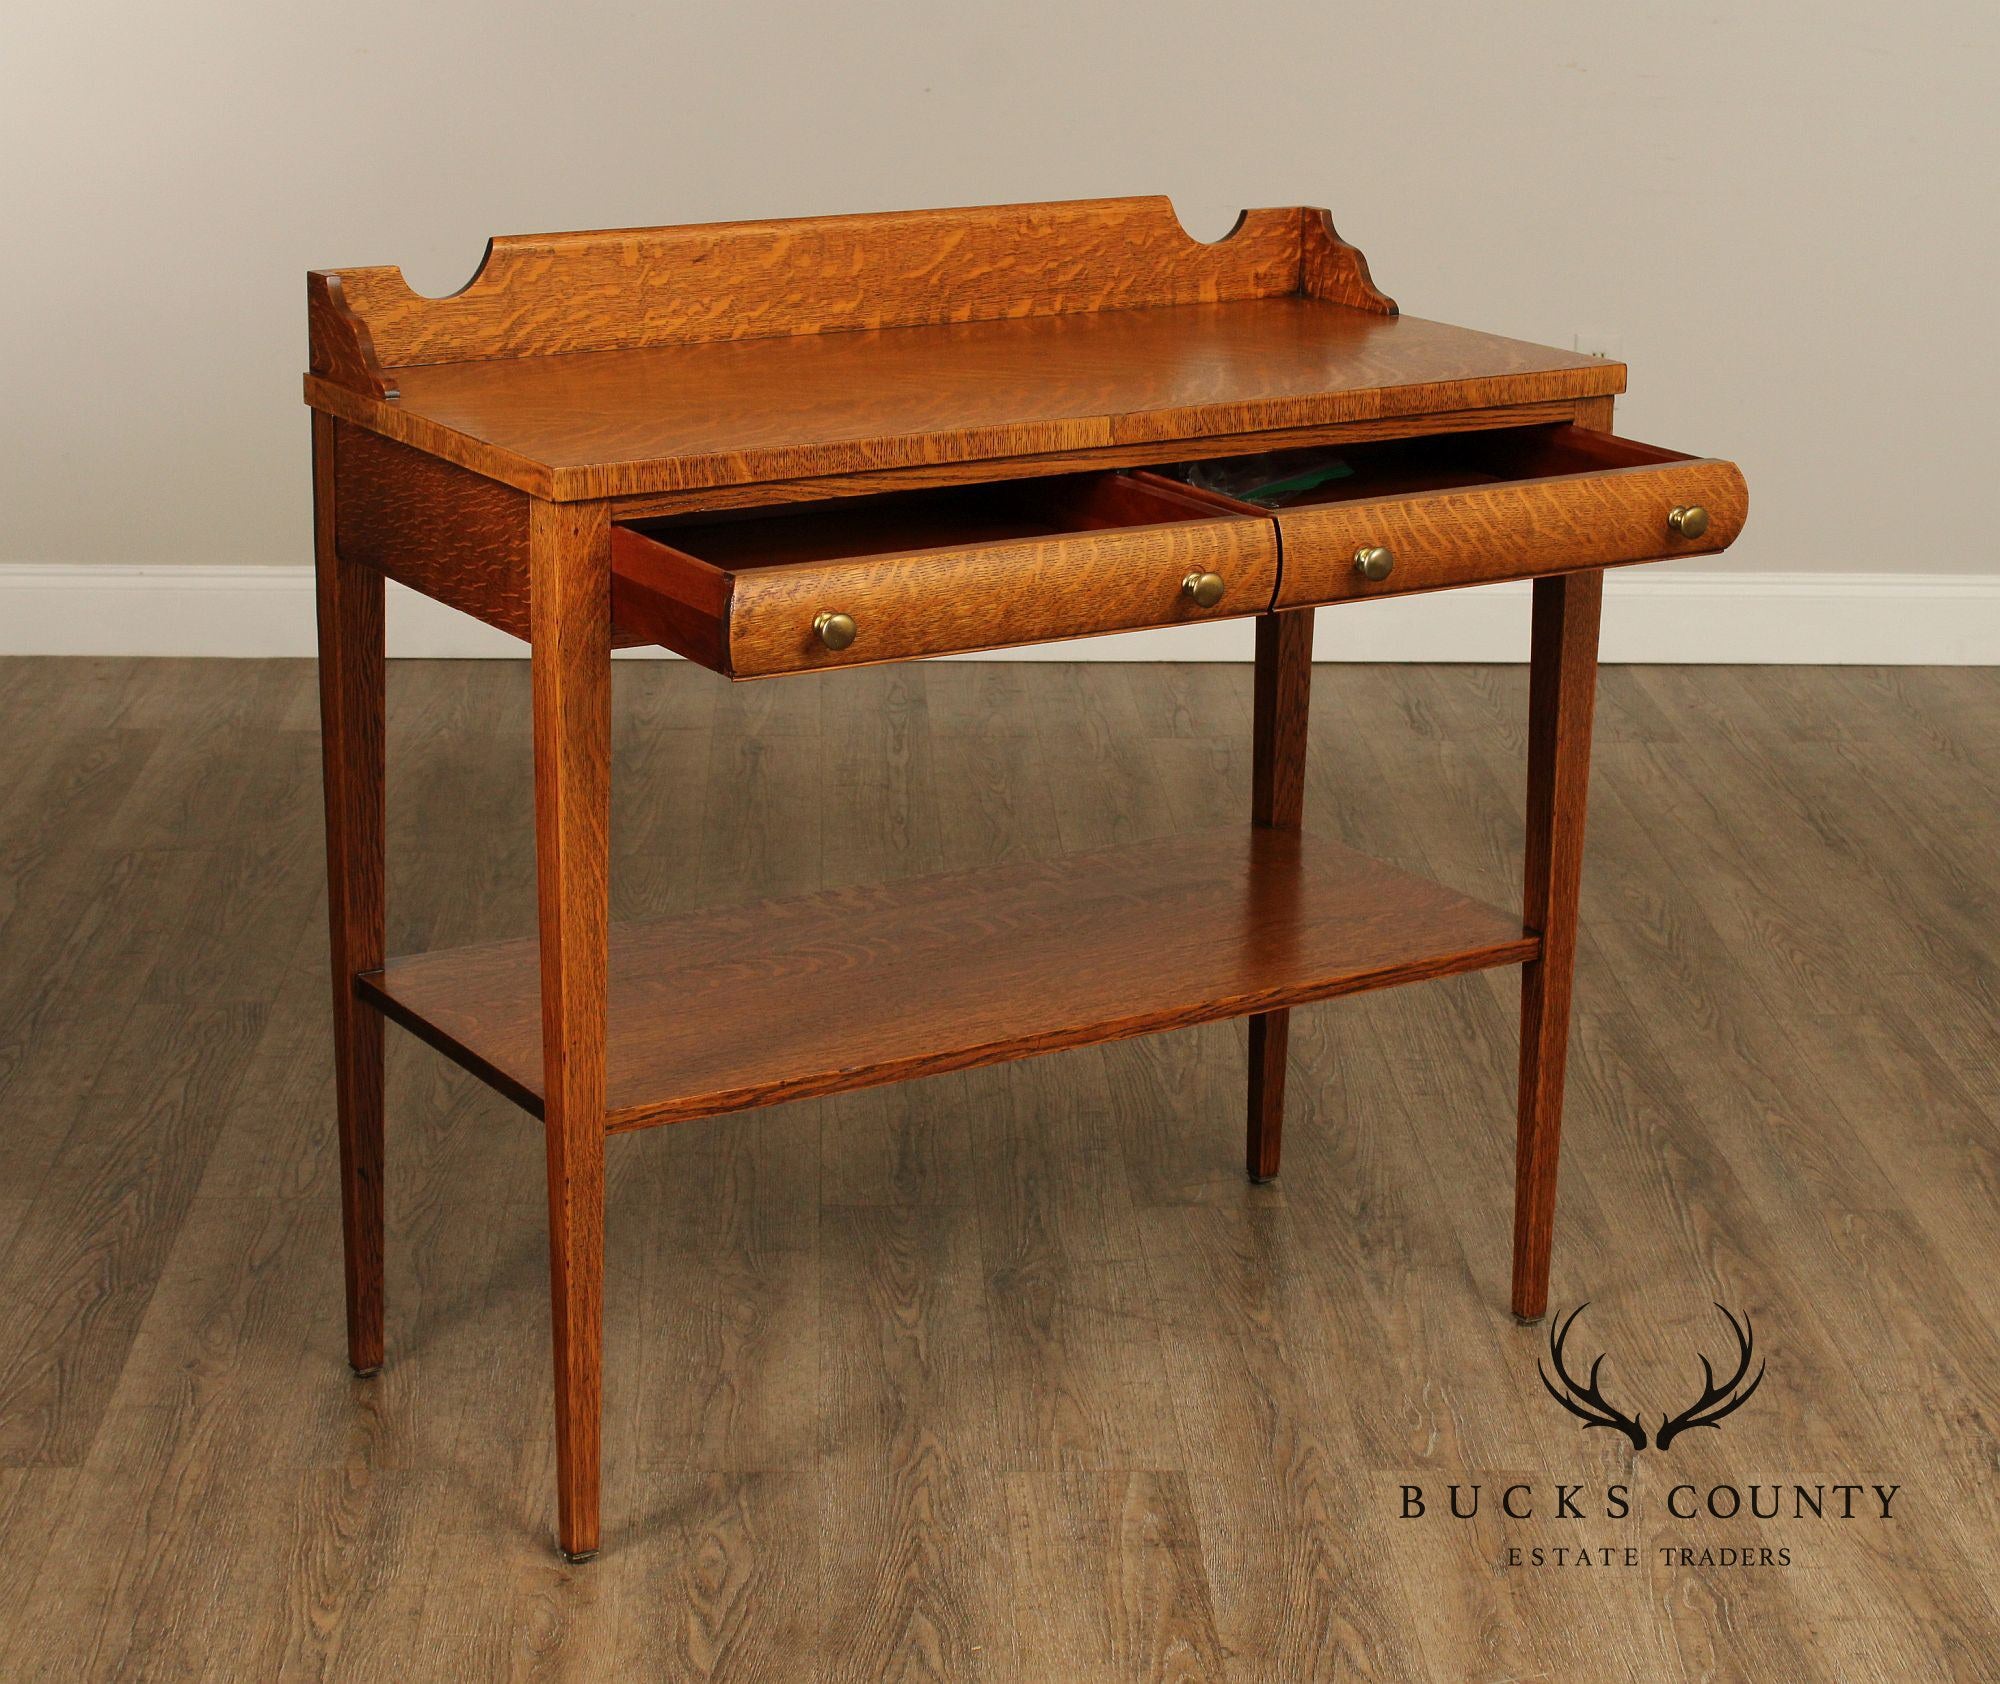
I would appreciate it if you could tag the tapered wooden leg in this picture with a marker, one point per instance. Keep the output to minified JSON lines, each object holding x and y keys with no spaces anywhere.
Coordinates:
{"x":1283,"y":689}
{"x":1270,"y":1035}
{"x":351,"y":695}
{"x":569,"y":564}
{"x":1562,"y":688}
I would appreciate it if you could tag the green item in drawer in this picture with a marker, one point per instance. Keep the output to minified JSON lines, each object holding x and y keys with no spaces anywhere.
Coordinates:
{"x":1270,"y":481}
{"x":1281,"y":491}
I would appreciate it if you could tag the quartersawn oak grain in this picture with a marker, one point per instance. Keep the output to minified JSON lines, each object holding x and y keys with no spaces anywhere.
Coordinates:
{"x":857,"y":986}
{"x":538,"y":295}
{"x":921,"y":575}
{"x":642,"y":422}
{"x":342,"y":351}
{"x":444,"y":531}
{"x":1548,"y":500}
{"x":1043,"y":329}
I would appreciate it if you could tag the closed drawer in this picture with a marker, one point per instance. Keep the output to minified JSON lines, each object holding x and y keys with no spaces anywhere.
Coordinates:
{"x":1465,"y":508}
{"x":807,"y":586}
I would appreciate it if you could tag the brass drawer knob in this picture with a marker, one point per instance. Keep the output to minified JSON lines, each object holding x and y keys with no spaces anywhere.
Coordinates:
{"x":1374,"y":563}
{"x":836,"y":631}
{"x":1204,"y":588}
{"x":1690,"y":521}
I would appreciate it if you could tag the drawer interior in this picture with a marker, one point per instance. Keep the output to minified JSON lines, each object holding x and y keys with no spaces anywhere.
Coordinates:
{"x":1397,"y":467}
{"x":950,"y":517}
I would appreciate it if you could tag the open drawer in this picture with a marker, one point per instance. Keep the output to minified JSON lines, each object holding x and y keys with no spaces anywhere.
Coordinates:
{"x":1464,"y":508}
{"x":803,"y":586}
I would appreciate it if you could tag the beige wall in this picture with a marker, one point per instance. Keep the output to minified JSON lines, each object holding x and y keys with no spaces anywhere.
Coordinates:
{"x":1781,"y":215}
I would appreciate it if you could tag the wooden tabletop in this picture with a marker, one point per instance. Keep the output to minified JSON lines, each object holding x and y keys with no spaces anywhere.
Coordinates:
{"x":675,"y":417}
{"x":664,"y":360}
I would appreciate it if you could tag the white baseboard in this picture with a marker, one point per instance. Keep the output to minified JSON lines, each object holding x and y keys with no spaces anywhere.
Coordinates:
{"x":1888,"y":619}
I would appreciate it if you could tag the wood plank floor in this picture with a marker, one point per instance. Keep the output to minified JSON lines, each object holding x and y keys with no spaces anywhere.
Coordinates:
{"x":1008,"y":1374}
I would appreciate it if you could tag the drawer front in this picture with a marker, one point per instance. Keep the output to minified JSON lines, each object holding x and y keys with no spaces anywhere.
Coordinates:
{"x":992,"y":596}
{"x":755,"y":622}
{"x":1511,"y":530}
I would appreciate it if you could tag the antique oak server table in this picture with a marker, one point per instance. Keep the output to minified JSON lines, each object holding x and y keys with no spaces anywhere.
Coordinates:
{"x":795,"y":447}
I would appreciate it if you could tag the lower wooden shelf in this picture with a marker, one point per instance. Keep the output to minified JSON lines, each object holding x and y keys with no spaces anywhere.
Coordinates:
{"x":722,"y":1010}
